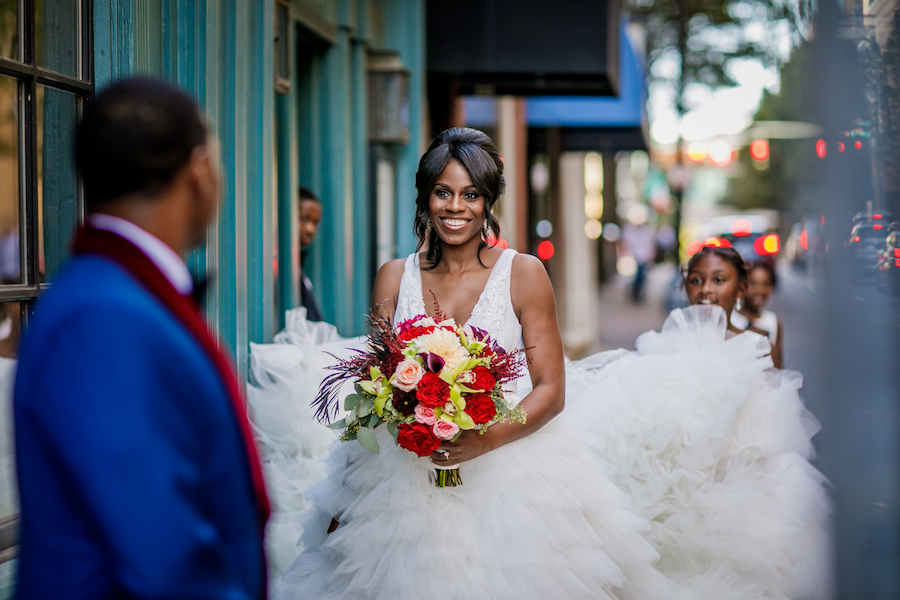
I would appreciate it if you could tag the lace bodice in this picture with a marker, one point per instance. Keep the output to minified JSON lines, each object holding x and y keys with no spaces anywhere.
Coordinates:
{"x":493,"y":312}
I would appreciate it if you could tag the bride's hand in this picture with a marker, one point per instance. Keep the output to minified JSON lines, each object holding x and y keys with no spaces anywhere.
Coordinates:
{"x":470,"y":444}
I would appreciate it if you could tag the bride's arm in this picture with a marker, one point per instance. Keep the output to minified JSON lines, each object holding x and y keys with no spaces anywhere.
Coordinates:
{"x":535,"y":306}
{"x":386,"y":289}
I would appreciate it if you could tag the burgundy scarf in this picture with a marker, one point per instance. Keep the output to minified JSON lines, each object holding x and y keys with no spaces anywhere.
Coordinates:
{"x":90,"y":240}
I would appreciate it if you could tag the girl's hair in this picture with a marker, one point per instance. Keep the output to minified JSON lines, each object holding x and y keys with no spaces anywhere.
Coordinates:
{"x":768,"y":265}
{"x":729,"y":254}
{"x":477,"y":153}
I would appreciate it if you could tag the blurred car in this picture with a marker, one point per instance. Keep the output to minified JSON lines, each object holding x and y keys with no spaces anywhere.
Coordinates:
{"x":867,"y":239}
{"x":864,"y":216}
{"x":753,"y":236}
{"x":889,"y":261}
{"x":751,"y":245}
{"x":804,"y":248}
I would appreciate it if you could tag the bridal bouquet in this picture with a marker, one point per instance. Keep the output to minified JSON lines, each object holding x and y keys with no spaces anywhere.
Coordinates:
{"x":428,"y":380}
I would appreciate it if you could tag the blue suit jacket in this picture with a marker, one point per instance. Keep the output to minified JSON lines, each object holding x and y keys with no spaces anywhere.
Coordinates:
{"x":133,"y":475}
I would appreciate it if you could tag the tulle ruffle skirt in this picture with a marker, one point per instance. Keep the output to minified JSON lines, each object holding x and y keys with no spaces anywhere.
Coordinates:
{"x":713,"y":445}
{"x":536,"y":518}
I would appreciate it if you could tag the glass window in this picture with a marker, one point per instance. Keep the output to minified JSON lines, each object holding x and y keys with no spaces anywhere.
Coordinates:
{"x":40,"y":198}
{"x":9,"y":29}
{"x":10,"y":258}
{"x":56,"y":35}
{"x":57,"y":115}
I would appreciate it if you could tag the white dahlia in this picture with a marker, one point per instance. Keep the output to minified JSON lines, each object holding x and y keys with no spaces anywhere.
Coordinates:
{"x":446,"y":345}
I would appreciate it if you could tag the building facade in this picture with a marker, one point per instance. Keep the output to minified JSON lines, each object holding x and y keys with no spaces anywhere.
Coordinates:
{"x":289,"y":88}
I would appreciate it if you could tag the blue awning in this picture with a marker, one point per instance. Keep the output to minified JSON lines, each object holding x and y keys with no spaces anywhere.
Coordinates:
{"x":625,"y":110}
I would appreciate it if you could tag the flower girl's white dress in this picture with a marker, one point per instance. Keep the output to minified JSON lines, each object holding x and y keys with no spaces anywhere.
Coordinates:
{"x":537,"y":518}
{"x":712,"y":445}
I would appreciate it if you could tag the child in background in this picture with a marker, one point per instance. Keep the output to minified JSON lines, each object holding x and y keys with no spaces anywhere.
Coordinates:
{"x":712,"y":445}
{"x":752,"y":315}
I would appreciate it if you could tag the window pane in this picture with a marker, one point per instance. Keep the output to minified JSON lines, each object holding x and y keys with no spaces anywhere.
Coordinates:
{"x":57,"y":115}
{"x":9,"y":29}
{"x":56,"y":29}
{"x":10,"y":329}
{"x":10,"y":262}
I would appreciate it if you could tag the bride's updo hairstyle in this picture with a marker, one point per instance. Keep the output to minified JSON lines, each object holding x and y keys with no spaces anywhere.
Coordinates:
{"x":729,"y":254}
{"x":477,"y":153}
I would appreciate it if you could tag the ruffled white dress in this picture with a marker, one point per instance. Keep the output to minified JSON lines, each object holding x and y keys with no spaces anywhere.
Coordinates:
{"x":284,"y":379}
{"x":713,"y":445}
{"x":537,"y":518}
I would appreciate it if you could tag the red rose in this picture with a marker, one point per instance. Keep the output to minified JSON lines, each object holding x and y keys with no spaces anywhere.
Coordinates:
{"x":432,"y":390}
{"x":417,"y":438}
{"x":413,"y":333}
{"x":484,"y":381}
{"x":481,"y":408}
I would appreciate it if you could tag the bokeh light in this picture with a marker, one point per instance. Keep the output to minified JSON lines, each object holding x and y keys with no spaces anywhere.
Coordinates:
{"x":544,"y":228}
{"x":545,"y":250}
{"x":626,"y":265}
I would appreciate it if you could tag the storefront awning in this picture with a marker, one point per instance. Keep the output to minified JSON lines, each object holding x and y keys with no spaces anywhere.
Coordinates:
{"x":587,"y":123}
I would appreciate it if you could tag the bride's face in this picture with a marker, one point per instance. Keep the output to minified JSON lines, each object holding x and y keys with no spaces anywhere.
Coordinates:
{"x":714,"y":280}
{"x":456,"y":207}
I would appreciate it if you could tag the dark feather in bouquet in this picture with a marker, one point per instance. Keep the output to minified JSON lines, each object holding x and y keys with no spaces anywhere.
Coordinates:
{"x":508,"y":366}
{"x":383,"y":350}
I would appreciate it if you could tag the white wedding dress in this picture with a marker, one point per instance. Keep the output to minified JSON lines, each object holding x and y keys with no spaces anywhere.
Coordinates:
{"x":712,"y":445}
{"x":284,"y":378}
{"x":537,"y":518}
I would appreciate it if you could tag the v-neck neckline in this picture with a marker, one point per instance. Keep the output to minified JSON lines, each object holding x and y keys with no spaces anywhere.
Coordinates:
{"x":480,"y":296}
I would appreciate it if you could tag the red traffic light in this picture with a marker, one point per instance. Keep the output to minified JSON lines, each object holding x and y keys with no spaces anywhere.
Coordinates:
{"x":545,"y":250}
{"x":759,"y":149}
{"x":821,"y":148}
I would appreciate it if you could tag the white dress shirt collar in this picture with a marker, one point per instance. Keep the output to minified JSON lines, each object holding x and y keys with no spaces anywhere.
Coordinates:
{"x":166,"y":260}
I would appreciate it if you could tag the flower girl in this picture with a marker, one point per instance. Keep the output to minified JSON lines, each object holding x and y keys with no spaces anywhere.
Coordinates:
{"x":713,"y":445}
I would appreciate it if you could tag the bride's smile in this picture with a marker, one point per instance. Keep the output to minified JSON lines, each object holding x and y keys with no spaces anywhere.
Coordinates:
{"x":456,"y":205}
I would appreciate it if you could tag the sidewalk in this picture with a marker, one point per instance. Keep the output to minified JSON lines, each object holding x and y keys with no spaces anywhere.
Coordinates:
{"x":621,"y":321}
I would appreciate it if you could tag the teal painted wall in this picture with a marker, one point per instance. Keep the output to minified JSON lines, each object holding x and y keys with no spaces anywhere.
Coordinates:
{"x":317,"y":135}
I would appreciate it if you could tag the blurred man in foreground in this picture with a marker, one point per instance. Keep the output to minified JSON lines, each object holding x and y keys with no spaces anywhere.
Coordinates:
{"x":137,"y":472}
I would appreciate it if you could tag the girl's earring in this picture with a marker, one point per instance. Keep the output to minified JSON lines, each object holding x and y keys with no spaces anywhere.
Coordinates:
{"x":739,"y":304}
{"x":428,"y":226}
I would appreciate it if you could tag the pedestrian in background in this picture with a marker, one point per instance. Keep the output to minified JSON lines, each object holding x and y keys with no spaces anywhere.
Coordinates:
{"x":639,"y":239}
{"x":137,"y":473}
{"x":310,"y":219}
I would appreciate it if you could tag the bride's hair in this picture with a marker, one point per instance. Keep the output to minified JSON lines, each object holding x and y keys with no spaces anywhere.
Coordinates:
{"x":477,"y":153}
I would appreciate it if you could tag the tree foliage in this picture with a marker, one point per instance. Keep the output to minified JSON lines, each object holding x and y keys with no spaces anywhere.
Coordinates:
{"x":697,"y":38}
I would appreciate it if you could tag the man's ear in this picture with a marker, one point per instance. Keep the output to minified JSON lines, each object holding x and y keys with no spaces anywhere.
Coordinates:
{"x":203,"y":172}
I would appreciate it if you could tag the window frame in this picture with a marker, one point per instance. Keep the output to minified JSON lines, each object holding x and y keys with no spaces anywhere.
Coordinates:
{"x":28,"y":75}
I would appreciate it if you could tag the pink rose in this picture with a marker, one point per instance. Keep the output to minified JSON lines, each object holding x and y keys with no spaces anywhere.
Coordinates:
{"x":408,"y":375}
{"x":425,"y":415}
{"x":445,"y":430}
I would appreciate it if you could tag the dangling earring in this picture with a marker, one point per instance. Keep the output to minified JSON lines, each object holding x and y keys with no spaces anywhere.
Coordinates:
{"x":428,"y":226}
{"x":739,"y":304}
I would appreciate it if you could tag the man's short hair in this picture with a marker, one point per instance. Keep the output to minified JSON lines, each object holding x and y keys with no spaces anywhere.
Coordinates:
{"x":134,"y":138}
{"x":306,"y":194}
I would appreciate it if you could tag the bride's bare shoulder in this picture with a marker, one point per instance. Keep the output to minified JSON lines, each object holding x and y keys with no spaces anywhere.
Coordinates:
{"x":526,"y":267}
{"x":386,"y":288}
{"x":529,"y":281}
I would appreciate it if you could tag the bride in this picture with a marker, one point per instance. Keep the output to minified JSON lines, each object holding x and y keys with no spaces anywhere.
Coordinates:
{"x":537,"y":516}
